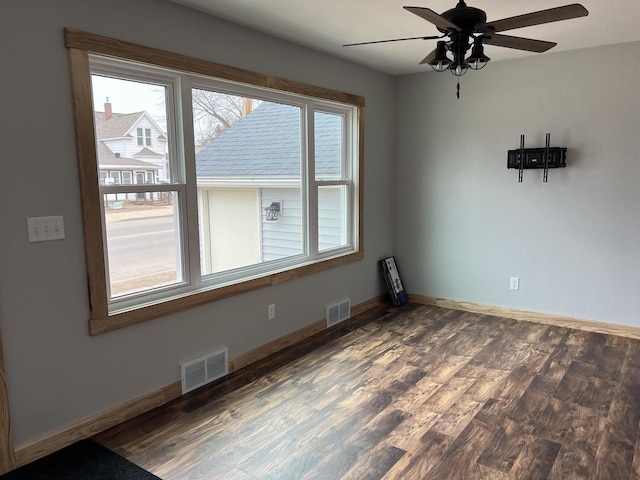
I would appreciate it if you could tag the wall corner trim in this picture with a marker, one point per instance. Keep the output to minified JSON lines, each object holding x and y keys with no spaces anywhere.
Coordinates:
{"x":7,"y":453}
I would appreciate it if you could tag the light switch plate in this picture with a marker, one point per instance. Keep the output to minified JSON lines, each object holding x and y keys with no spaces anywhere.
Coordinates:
{"x":45,"y":229}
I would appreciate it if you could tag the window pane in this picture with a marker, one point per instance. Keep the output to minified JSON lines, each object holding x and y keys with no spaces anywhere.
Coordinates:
{"x":143,"y":242}
{"x":256,"y":147}
{"x":127,"y":115}
{"x":332,"y":220}
{"x":328,"y":132}
{"x":114,"y":178}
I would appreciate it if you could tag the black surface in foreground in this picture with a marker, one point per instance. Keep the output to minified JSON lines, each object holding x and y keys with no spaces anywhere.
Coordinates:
{"x":85,"y":460}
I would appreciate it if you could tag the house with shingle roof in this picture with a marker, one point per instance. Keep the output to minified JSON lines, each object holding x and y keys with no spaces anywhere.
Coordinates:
{"x":131,"y":148}
{"x":250,"y":166}
{"x":267,"y":143}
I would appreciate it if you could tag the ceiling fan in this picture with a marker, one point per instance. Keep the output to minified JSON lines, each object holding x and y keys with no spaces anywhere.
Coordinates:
{"x":467,"y":27}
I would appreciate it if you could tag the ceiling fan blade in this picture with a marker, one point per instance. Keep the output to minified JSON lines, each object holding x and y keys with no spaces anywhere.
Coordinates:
{"x":393,"y":40}
{"x":519,"y":43}
{"x":431,"y":16}
{"x":429,"y":58}
{"x":557,"y":14}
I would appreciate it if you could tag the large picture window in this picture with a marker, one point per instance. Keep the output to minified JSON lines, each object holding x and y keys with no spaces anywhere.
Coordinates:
{"x":247,"y":185}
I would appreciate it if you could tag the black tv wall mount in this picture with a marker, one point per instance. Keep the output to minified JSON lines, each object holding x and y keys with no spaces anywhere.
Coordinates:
{"x":547,"y":157}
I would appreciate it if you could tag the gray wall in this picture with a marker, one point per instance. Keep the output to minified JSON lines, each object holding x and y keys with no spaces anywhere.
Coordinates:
{"x":463,"y":223}
{"x":56,"y":373}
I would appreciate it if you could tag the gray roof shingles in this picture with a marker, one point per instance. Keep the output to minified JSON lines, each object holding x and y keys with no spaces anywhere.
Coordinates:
{"x":267,"y":142}
{"x":116,"y":126}
{"x":107,"y":157}
{"x":146,"y":152}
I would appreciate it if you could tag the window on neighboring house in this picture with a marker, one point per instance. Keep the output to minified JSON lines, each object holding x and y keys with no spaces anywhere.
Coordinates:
{"x":114,"y":178}
{"x":203,"y":233}
{"x":102,"y":175}
{"x":144,"y":136}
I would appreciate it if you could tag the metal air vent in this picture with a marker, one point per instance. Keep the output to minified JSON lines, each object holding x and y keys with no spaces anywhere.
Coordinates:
{"x":200,"y":371}
{"x":338,"y":312}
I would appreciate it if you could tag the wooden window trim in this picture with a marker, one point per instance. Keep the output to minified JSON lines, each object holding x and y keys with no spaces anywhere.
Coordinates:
{"x":99,"y":44}
{"x":80,"y":45}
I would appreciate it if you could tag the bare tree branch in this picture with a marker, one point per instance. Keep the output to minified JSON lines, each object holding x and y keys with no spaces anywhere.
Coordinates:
{"x":213,"y":113}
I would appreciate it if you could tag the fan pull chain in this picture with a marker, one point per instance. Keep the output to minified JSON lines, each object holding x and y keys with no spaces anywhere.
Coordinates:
{"x":458,"y":89}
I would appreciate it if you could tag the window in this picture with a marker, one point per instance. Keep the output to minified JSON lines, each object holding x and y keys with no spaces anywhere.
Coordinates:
{"x":233,"y":150}
{"x":144,"y":136}
{"x":332,"y":149}
{"x":114,"y":178}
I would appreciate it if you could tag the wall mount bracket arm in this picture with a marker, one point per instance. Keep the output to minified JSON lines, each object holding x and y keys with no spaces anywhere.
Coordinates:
{"x":545,"y":158}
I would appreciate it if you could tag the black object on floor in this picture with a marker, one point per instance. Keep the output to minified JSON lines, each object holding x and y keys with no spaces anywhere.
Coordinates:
{"x":85,"y":460}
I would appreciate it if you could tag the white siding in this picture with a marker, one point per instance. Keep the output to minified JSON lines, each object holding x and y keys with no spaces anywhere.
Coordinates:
{"x":331,"y":220}
{"x":283,"y":238}
{"x":119,"y":145}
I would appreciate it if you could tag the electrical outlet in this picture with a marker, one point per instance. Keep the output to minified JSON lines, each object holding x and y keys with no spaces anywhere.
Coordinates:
{"x":515,"y":283}
{"x":271,"y":311}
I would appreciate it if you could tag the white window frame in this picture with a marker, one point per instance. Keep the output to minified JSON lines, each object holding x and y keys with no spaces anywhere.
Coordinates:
{"x":114,"y":68}
{"x":136,"y":175}
{"x":143,"y":136}
{"x":116,"y":176}
{"x":184,"y":73}
{"x":349,"y":171}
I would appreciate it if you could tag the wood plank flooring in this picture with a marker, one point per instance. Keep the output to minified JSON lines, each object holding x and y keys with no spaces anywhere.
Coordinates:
{"x":419,"y":392}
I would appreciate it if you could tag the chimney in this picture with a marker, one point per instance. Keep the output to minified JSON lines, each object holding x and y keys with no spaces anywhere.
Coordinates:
{"x":247,"y":106}
{"x":107,"y":110}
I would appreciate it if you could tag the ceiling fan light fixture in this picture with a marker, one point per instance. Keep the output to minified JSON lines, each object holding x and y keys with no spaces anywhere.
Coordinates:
{"x":477,"y":60}
{"x":467,"y":28}
{"x":441,"y":62}
{"x":459,"y":70}
{"x":459,"y":66}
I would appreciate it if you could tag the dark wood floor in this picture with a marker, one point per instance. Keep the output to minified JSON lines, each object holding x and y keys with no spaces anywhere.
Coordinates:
{"x":412,"y":393}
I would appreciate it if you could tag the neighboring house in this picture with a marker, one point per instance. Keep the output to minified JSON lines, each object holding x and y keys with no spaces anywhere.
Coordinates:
{"x":131,"y":148}
{"x":253,"y":164}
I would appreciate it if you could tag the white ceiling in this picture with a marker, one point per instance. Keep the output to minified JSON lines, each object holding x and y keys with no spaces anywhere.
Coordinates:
{"x":326,"y":25}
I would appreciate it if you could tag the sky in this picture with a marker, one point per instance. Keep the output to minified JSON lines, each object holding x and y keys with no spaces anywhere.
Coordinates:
{"x":127,"y":96}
